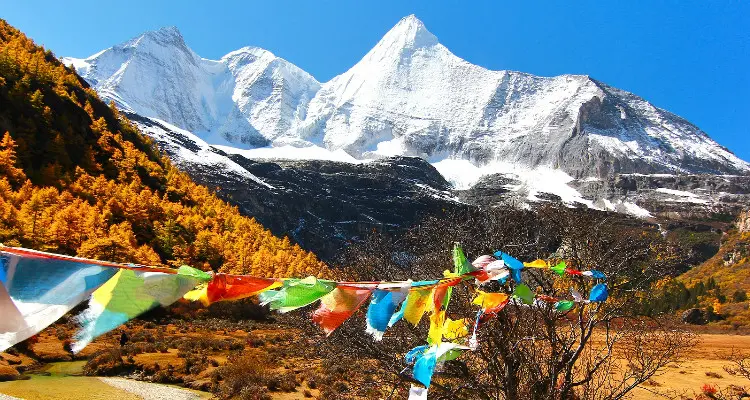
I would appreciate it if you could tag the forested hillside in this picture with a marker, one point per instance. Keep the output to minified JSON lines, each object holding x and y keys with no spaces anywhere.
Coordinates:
{"x":78,"y":178}
{"x":719,"y":286}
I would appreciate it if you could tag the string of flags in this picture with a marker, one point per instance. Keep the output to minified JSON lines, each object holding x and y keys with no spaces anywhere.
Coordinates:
{"x":37,"y":288}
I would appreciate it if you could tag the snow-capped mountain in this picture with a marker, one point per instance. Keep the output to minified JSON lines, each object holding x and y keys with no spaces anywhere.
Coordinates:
{"x":248,"y":97}
{"x":409,"y":95}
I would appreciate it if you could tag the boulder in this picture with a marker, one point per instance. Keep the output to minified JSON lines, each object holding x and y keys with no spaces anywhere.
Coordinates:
{"x":695,"y":316}
{"x":11,"y":359}
{"x":8,"y":373}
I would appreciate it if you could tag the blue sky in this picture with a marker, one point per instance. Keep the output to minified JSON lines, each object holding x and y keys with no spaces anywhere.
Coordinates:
{"x":690,"y":57}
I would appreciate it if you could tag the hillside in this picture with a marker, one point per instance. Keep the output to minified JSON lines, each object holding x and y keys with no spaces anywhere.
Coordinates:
{"x":717,"y":289}
{"x":76,"y":177}
{"x":730,"y":267}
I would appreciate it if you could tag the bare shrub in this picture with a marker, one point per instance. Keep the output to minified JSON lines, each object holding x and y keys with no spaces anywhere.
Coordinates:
{"x":245,"y":376}
{"x":531,"y":351}
{"x":104,"y":363}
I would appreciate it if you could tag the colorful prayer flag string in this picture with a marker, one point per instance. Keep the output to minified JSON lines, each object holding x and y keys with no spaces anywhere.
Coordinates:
{"x":37,"y":288}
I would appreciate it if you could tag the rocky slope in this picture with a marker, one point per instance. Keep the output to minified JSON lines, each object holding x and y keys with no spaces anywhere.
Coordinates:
{"x":657,"y":197}
{"x":322,"y":205}
{"x":743,"y":222}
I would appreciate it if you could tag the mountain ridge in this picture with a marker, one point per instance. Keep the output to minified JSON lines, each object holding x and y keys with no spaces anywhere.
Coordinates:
{"x":408,"y":96}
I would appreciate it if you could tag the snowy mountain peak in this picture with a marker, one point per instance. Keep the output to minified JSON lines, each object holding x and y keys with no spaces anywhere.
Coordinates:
{"x":167,"y":33}
{"x":410,"y":32}
{"x":407,"y":36}
{"x":246,"y":51}
{"x":409,"y":95}
{"x":167,"y":37}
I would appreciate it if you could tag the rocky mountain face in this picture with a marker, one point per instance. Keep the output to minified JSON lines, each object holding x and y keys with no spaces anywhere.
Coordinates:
{"x":322,"y":205}
{"x":409,"y":96}
{"x":743,"y":222}
{"x":657,"y":197}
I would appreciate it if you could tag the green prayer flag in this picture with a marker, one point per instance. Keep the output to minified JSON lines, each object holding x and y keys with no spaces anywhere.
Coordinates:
{"x":524,"y":293}
{"x":450,"y":355}
{"x":194,"y":273}
{"x":564,"y":305}
{"x":296,"y":293}
{"x":559,"y":268}
{"x":462,"y":265}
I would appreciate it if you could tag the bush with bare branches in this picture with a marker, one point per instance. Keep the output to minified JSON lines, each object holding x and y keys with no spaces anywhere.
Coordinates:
{"x":595,"y":351}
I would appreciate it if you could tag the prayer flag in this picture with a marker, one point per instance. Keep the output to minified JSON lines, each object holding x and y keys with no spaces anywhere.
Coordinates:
{"x":382,"y":307}
{"x":12,"y":319}
{"x":510,"y":262}
{"x":39,"y":288}
{"x":441,"y":297}
{"x":537,"y":264}
{"x":514,"y":264}
{"x":461,"y":264}
{"x":232,"y":287}
{"x":483,"y":261}
{"x":496,"y":271}
{"x":338,"y":305}
{"x":455,"y":329}
{"x":491,"y":302}
{"x":564,"y":305}
{"x":594,"y":274}
{"x":417,"y":393}
{"x":524,"y":293}
{"x":416,"y":302}
{"x":599,"y":293}
{"x":127,"y":295}
{"x":426,"y":358}
{"x":559,"y":269}
{"x":296,"y":293}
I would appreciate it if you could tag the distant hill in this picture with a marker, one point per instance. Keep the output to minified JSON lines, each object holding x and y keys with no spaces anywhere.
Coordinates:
{"x":76,"y":177}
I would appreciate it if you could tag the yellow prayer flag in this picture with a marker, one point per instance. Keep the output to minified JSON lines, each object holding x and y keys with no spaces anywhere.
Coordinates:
{"x":437,"y":320}
{"x":199,"y":294}
{"x":536,"y":264}
{"x":416,"y":304}
{"x":489,"y":300}
{"x":454,"y":329}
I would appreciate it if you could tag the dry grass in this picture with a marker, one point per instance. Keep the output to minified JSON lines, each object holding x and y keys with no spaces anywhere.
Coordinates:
{"x":704,"y":366}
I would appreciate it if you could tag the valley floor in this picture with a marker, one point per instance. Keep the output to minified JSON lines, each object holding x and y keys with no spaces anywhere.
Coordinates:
{"x":704,"y":366}
{"x":192,"y":355}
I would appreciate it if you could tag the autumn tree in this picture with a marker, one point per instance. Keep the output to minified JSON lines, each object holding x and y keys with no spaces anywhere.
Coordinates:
{"x":8,"y":166}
